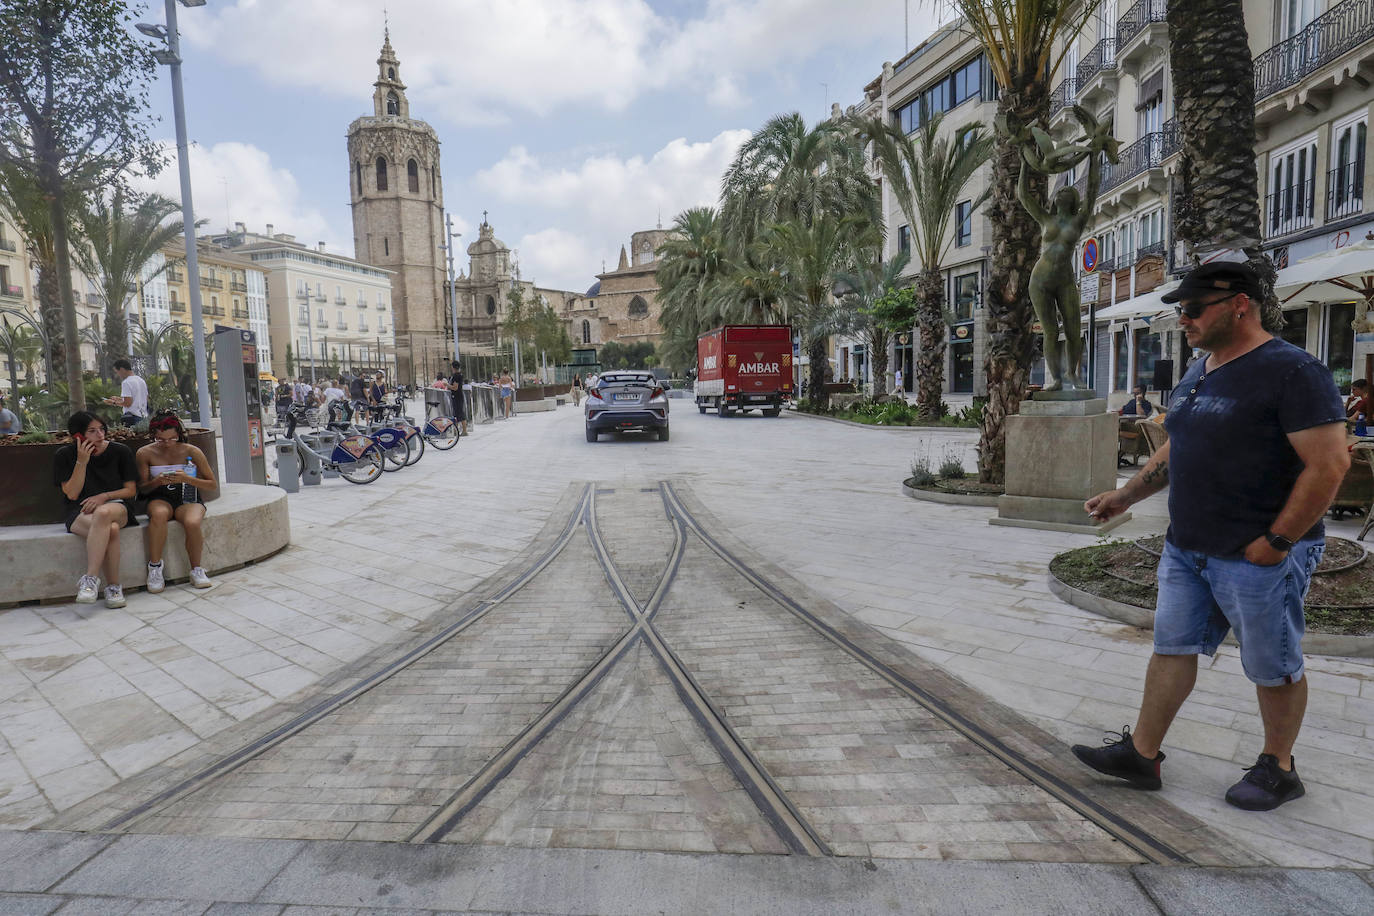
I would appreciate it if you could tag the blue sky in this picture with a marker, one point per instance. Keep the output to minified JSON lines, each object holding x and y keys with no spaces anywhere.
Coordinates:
{"x":574,"y":122}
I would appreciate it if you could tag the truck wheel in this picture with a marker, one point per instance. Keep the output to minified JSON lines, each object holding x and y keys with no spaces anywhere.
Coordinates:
{"x":701,"y":408}
{"x":592,"y":435}
{"x":663,"y":434}
{"x":722,"y":410}
{"x":772,"y":411}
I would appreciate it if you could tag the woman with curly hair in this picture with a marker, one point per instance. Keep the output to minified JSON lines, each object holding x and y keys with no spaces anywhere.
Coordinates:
{"x":172,"y":473}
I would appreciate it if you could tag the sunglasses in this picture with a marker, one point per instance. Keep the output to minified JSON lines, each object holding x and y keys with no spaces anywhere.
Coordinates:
{"x":1194,"y":310}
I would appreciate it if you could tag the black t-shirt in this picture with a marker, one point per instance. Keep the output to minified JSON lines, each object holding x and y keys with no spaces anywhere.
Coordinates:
{"x":455,"y":381}
{"x":1231,"y":466}
{"x":357,"y":389}
{"x":106,"y":472}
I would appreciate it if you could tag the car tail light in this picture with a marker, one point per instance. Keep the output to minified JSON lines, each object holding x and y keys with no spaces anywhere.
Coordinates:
{"x":656,"y":393}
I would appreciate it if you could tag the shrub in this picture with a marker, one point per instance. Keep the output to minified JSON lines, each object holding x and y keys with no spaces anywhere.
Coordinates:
{"x":34,"y":435}
{"x":952,"y":467}
{"x":921,"y":474}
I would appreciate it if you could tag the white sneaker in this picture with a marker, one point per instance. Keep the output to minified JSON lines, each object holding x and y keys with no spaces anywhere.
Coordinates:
{"x":114,"y":596}
{"x":199,"y":579}
{"x":156,"y":582}
{"x":87,"y":587}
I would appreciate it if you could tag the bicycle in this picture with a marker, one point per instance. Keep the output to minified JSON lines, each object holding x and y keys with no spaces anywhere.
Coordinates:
{"x":358,"y":459}
{"x":442,"y":430}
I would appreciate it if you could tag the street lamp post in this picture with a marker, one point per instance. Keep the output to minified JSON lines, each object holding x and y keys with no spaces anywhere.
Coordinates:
{"x":452,"y":287}
{"x":172,"y":58}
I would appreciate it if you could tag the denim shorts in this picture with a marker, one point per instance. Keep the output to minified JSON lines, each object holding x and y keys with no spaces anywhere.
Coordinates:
{"x":1202,"y":597}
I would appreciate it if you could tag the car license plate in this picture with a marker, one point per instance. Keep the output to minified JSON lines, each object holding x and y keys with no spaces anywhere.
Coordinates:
{"x":627,"y":397}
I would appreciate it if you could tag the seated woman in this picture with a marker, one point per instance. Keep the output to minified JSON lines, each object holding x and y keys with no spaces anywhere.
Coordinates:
{"x":97,"y":480}
{"x":163,"y":479}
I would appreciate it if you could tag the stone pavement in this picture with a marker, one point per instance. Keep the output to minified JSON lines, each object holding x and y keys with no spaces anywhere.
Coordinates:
{"x":90,"y":696}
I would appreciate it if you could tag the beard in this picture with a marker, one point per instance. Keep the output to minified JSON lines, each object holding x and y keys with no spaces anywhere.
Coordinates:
{"x":1218,"y":334}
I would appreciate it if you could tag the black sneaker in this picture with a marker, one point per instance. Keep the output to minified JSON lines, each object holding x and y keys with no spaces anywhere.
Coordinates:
{"x":1119,"y":758}
{"x":1264,"y":786}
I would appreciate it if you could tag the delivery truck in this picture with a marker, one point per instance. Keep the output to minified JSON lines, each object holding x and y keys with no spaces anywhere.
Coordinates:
{"x":744,"y":367}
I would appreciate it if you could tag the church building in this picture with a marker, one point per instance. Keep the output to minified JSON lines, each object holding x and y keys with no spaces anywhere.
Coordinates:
{"x":396,"y":192}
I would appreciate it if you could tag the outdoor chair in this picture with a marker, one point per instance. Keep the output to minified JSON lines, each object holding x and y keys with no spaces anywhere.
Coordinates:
{"x":1130,"y":444}
{"x":1154,"y":434}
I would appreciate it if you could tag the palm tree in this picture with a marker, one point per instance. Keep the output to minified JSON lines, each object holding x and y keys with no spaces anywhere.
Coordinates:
{"x":119,"y":242}
{"x":691,"y":260}
{"x":927,"y":174}
{"x":1218,"y":203}
{"x":20,"y":197}
{"x":20,"y":344}
{"x":865,"y":287}
{"x":1018,"y":39}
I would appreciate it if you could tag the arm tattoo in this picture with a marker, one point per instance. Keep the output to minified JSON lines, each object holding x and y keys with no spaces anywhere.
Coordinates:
{"x":1156,"y":476}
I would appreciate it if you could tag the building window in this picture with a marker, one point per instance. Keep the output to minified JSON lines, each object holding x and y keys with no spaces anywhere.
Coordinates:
{"x":963,"y":223}
{"x":586,"y":331}
{"x":1152,"y":229}
{"x":638,"y":307}
{"x":393,"y":103}
{"x":360,"y":177}
{"x":1148,"y":348}
{"x":1345,"y":182}
{"x":432,"y":192}
{"x":491,"y":305}
{"x":1121,"y":380}
{"x":965,"y":296}
{"x":950,"y":92}
{"x":1340,"y":342}
{"x":1292,"y":181}
{"x":381,"y":173}
{"x":904,"y":240}
{"x":386,"y":246}
{"x":413,"y":176}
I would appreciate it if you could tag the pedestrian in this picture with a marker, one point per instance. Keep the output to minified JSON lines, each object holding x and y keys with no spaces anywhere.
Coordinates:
{"x":507,"y":393}
{"x":897,"y":380}
{"x":577,"y":390}
{"x":97,"y":478}
{"x":456,"y":383}
{"x":284,"y":399}
{"x":172,"y":474}
{"x":1255,"y":455}
{"x":133,"y":394}
{"x":10,"y":424}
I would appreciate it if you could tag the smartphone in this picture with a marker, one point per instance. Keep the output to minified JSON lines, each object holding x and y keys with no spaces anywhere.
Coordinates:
{"x":80,"y":437}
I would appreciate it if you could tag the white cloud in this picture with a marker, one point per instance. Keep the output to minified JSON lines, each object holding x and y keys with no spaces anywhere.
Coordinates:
{"x":478,"y":62}
{"x":595,"y":205}
{"x":236,"y":182}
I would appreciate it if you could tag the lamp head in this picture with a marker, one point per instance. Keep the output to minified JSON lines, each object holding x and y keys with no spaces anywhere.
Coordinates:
{"x":167,"y":58}
{"x":192,"y":3}
{"x":152,"y":31}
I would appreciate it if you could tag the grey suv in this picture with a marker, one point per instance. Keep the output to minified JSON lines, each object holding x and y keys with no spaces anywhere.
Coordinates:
{"x":626,"y":400}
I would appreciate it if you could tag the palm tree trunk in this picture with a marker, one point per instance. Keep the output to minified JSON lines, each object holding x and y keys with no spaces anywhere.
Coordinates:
{"x":930,"y":365}
{"x":116,"y":339}
{"x":1015,"y":246}
{"x":50,"y":314}
{"x":51,"y":183}
{"x":815,"y":355}
{"x":1214,"y":94}
{"x":878,"y":345}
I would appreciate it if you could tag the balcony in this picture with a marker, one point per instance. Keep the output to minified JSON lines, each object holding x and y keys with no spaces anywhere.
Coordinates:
{"x":341,"y":300}
{"x":1289,"y":209}
{"x":177,"y":306}
{"x":1149,"y":152}
{"x":94,"y":299}
{"x":1155,"y":249}
{"x":1345,"y":190}
{"x":1142,"y":34}
{"x":1342,"y":29}
{"x":322,"y":323}
{"x":302,"y":294}
{"x":320,"y":296}
{"x":241,"y":314}
{"x":341,"y":326}
{"x":1062,"y":99}
{"x":238,"y":286}
{"x":381,"y":306}
{"x":12,"y":292}
{"x":362,"y":303}
{"x":302,"y":322}
{"x":1097,"y":71}
{"x":7,"y":245}
{"x":175,"y":276}
{"x":211,"y":283}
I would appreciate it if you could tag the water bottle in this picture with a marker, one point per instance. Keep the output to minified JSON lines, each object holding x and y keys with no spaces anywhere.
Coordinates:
{"x":1361,"y":429}
{"x":189,"y":493}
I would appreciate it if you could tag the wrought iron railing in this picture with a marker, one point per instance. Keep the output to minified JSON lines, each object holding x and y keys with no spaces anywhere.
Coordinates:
{"x":240,"y":313}
{"x":1289,"y":209}
{"x":320,"y":297}
{"x":322,"y":323}
{"x":238,"y":286}
{"x":1145,"y":251}
{"x":211,"y":283}
{"x":1145,"y":153}
{"x":1343,"y":27}
{"x":175,"y":276}
{"x":177,"y":306}
{"x":1101,"y":57}
{"x":1345,"y":190}
{"x":1140,"y":14}
{"x":341,"y":300}
{"x":1063,"y":94}
{"x":1106,"y":265}
{"x":215,"y":311}
{"x":302,"y":322}
{"x":1173,"y":138}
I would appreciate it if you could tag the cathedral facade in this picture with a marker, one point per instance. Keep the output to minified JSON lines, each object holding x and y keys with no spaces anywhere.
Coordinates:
{"x":396,"y":194}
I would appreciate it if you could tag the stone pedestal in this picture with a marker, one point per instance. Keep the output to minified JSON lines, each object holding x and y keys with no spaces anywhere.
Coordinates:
{"x":1059,"y":454}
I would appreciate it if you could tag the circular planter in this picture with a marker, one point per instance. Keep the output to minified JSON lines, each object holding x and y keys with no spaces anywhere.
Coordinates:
{"x":948,"y":498}
{"x":29,"y":496}
{"x":1312,"y":643}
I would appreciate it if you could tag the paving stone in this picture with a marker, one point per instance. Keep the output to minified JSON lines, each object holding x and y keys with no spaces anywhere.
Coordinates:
{"x":181,"y":867}
{"x":1259,"y":891}
{"x":35,"y":862}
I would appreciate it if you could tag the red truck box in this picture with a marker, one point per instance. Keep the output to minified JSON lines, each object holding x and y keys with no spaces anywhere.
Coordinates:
{"x":744,"y":367}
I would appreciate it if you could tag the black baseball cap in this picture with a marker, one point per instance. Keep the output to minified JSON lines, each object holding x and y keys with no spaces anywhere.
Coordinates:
{"x":1218,"y":277}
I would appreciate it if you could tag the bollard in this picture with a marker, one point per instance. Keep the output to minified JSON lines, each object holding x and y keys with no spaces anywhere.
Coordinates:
{"x":313,"y":475}
{"x":328,"y":440}
{"x":288,"y":466}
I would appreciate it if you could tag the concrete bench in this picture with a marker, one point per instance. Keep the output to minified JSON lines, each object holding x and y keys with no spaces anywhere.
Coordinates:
{"x":43,"y":562}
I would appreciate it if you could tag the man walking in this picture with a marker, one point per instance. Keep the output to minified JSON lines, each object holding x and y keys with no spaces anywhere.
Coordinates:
{"x":1255,"y":455}
{"x":455,"y":391}
{"x":133,"y":394}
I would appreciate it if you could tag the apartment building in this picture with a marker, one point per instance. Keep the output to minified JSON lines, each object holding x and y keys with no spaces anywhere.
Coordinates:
{"x":333,"y":310}
{"x":1314,"y":67}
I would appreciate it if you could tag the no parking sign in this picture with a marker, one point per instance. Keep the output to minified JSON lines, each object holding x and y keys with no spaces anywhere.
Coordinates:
{"x":1090,"y":255}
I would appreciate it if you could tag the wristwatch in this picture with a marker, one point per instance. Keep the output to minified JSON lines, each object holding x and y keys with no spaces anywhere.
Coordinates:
{"x":1278,"y":541}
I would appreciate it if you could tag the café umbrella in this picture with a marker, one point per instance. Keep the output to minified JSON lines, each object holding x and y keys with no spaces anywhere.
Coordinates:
{"x":1344,"y":274}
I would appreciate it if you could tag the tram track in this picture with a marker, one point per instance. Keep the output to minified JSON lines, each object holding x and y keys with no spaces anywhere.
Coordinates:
{"x":718,"y":715}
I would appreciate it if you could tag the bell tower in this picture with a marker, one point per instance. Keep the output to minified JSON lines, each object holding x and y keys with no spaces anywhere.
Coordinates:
{"x":396,"y":193}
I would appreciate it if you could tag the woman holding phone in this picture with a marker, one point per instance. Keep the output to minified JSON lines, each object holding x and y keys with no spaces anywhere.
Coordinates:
{"x":172,"y":473}
{"x":97,"y":481}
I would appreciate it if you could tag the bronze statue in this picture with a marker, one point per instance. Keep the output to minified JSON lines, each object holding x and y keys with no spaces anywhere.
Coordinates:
{"x":1053,"y":287}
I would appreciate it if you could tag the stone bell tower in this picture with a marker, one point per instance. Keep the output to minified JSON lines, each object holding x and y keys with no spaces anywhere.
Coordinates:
{"x":397,"y":196}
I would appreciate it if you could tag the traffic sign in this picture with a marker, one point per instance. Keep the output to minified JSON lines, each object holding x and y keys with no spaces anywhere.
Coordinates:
{"x":1090,"y":255}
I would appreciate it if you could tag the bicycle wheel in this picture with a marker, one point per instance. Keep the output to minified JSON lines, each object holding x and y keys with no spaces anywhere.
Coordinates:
{"x":446,"y":439}
{"x":366,"y":469}
{"x":398,"y":456}
{"x":417,"y":445}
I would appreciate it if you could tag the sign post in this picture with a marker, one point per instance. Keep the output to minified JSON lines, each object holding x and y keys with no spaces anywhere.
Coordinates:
{"x":1090,"y":258}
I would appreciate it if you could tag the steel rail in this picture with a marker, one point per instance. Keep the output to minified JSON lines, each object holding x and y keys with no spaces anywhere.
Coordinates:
{"x":1144,"y":843}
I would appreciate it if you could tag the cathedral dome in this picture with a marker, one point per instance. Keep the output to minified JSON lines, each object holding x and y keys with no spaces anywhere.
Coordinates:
{"x":594,"y":290}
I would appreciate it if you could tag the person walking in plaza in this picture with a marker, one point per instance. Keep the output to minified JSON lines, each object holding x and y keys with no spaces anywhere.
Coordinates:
{"x":10,"y":424}
{"x":507,"y":392}
{"x":97,"y":478}
{"x":172,"y":474}
{"x":577,"y":390}
{"x":1255,"y":455}
{"x":133,"y":394}
{"x":455,"y":393}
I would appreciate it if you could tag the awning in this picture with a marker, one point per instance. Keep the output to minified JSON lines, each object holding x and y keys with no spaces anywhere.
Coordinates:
{"x":1342,"y":275}
{"x":1151,"y":303}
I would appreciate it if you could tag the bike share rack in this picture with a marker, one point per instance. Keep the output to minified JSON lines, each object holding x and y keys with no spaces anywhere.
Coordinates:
{"x":288,"y":466}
